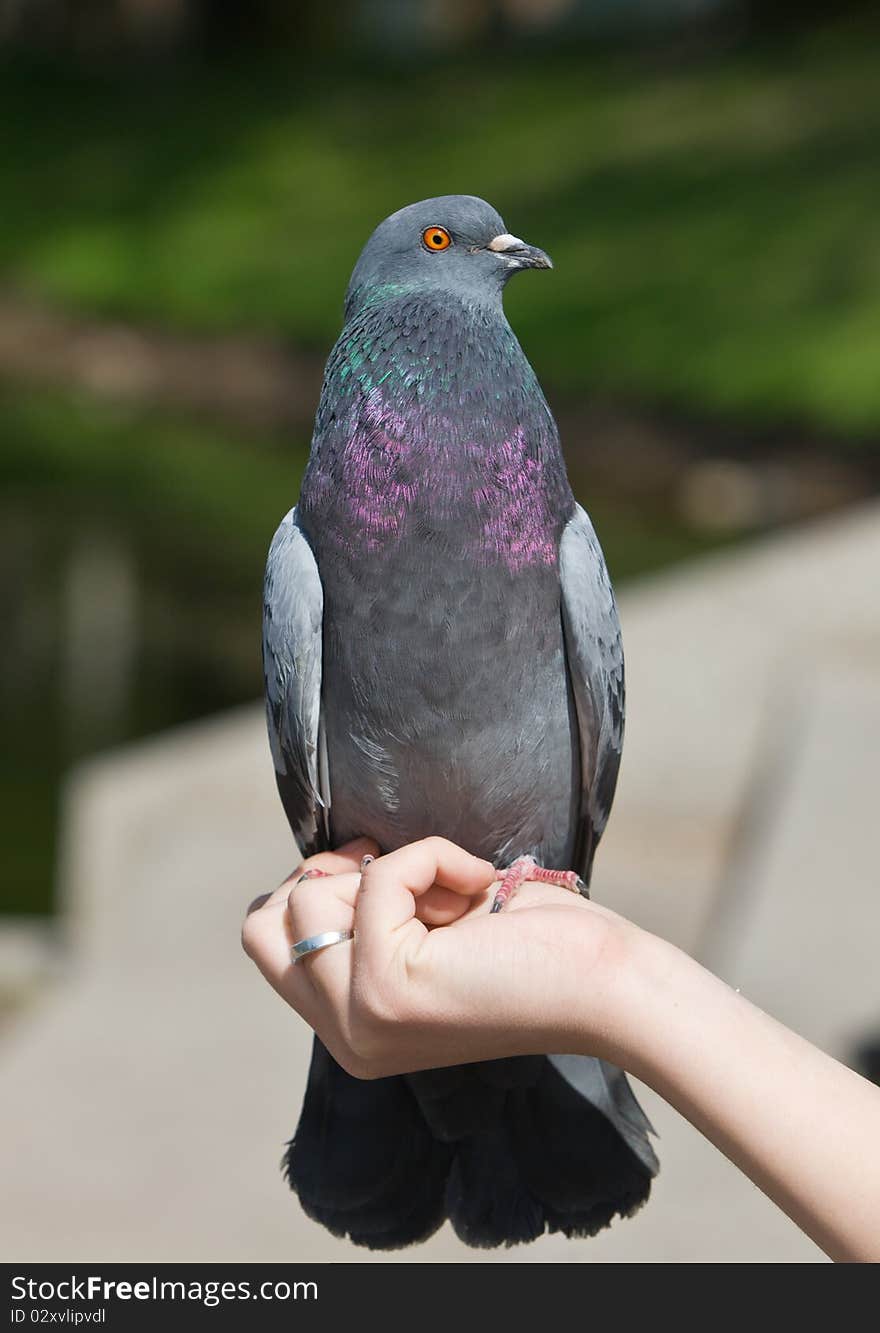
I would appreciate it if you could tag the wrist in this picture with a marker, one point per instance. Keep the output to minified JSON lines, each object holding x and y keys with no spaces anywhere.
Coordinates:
{"x":667,"y":1002}
{"x":648,"y":1001}
{"x":640,"y":976}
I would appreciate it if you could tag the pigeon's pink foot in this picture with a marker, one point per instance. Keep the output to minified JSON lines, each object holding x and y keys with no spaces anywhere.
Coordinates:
{"x":526,"y":867}
{"x":314,"y":873}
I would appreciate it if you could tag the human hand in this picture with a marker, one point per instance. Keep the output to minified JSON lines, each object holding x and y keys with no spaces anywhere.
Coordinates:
{"x":433,"y":979}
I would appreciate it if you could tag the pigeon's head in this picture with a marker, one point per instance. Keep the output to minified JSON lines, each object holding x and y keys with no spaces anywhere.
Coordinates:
{"x":455,"y":243}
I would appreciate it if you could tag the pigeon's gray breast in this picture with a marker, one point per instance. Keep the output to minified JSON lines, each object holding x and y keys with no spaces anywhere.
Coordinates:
{"x":435,"y":501}
{"x":447,"y":705}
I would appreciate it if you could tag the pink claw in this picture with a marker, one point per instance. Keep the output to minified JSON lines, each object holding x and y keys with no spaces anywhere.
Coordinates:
{"x":526,"y":868}
{"x":314,"y":873}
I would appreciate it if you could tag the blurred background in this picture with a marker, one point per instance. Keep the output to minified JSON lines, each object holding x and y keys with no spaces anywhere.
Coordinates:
{"x":185,"y":187}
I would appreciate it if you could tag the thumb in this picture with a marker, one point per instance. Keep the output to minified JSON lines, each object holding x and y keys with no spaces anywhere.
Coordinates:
{"x":390,"y":886}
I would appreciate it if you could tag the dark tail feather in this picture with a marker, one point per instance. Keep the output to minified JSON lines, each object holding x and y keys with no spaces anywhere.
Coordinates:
{"x":453,"y":1103}
{"x":587,"y":1158}
{"x":465,"y":1099}
{"x":570,"y":1154}
{"x":487,"y":1200}
{"x":507,"y":1150}
{"x":363,"y":1161}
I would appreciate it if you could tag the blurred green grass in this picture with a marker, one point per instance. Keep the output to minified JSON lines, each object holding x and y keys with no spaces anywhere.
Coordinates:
{"x":713,"y":226}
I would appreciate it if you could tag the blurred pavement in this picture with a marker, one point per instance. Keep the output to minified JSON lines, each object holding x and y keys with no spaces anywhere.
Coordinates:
{"x":147,"y":1093}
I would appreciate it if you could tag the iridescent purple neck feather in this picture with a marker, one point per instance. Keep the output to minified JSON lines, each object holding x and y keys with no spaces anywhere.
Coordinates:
{"x":432,"y":427}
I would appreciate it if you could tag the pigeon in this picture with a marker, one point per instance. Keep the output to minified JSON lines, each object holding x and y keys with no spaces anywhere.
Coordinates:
{"x":442,"y":655}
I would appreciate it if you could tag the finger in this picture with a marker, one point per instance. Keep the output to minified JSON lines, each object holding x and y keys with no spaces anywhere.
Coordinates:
{"x":309,"y":901}
{"x":270,"y":933}
{"x":391,"y":885}
{"x":315,"y":907}
{"x":266,"y":940}
{"x":345,"y":858}
{"x":256,"y":903}
{"x":440,"y":907}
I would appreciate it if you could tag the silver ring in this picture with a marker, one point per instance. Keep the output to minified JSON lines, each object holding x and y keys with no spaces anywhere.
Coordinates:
{"x":315,"y":943}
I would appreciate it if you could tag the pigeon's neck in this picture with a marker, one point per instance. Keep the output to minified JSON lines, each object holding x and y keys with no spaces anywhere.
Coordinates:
{"x":431,"y":418}
{"x":433,"y":353}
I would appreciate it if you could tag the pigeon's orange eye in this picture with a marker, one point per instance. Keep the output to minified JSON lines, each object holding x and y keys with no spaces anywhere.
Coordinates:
{"x":436,"y":238}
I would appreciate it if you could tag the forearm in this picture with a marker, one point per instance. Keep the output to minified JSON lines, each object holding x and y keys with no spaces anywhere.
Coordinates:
{"x":802,"y":1126}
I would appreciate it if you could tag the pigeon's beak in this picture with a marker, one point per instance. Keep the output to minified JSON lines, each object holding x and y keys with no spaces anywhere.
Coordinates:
{"x":518,"y":254}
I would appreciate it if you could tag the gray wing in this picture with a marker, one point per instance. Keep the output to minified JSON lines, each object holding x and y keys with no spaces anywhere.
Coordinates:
{"x":595,"y":661}
{"x":293,"y":613}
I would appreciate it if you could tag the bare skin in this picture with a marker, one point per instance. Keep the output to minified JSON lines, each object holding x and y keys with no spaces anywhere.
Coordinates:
{"x":557,"y":972}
